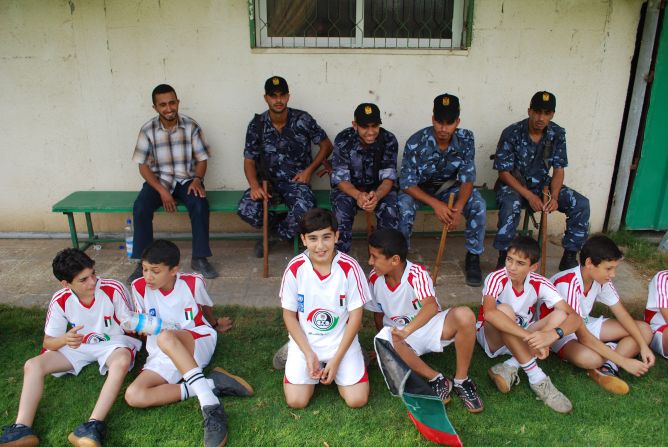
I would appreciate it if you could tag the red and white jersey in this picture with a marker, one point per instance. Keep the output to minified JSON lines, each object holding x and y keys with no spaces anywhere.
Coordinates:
{"x":536,"y":288}
{"x":657,"y":299}
{"x":323,"y":303}
{"x":402,"y":303}
{"x":570,"y":286}
{"x":100,"y":319}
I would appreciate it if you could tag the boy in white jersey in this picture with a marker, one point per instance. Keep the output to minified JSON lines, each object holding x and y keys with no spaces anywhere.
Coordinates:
{"x":322,"y":294}
{"x":408,"y":315}
{"x":179,"y":356}
{"x":82,"y":327}
{"x":585,"y":284}
{"x":656,"y":313}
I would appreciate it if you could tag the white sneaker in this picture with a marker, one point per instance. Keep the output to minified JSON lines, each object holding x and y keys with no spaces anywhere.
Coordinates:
{"x":552,"y":397}
{"x":504,"y":376}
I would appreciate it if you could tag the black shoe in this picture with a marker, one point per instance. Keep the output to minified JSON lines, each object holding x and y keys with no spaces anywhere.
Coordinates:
{"x":89,"y":434}
{"x":259,"y":245}
{"x":215,"y":425}
{"x":202,"y":265}
{"x":568,"y":260}
{"x":501,"y":262}
{"x":468,"y":393}
{"x":137,"y":273}
{"x":472,"y":270}
{"x":442,"y":388}
{"x":18,"y":434}
{"x":228,"y":384}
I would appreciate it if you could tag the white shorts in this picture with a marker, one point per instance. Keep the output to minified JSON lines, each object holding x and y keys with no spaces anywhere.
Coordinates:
{"x":427,"y":338}
{"x":351,"y":370}
{"x":657,"y":343}
{"x":482,"y":340}
{"x":205,"y":344}
{"x":594,"y":326}
{"x":100,"y":352}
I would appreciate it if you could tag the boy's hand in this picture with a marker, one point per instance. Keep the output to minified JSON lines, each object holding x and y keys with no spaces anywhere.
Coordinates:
{"x":647,"y":355}
{"x":72,"y":339}
{"x":635,"y":367}
{"x":313,"y":365}
{"x":400,"y":333}
{"x":540,"y":339}
{"x":224,"y":324}
{"x":329,"y":373}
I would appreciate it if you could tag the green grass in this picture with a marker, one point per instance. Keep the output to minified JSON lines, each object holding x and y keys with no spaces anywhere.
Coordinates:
{"x":516,"y":419}
{"x":641,"y":252}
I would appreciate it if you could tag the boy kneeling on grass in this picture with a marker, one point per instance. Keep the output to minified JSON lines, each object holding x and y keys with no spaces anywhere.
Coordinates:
{"x":580,"y":287}
{"x":173,"y":368}
{"x":322,"y":294}
{"x":82,"y":327}
{"x":409,"y":316}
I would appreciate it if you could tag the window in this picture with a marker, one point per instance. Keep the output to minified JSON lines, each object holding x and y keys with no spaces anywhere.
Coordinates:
{"x":360,"y":23}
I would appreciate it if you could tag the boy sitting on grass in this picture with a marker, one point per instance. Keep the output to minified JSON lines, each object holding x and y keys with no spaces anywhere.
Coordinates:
{"x":580,"y":287}
{"x":409,"y":316}
{"x":173,"y":369}
{"x":322,"y":294}
{"x":656,"y":313}
{"x":82,"y":327}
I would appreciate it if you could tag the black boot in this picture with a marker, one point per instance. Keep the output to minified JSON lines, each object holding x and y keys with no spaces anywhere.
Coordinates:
{"x":568,"y":260}
{"x":472,"y":270}
{"x":501,"y":262}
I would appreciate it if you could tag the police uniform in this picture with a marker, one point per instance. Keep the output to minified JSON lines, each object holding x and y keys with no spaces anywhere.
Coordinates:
{"x":366,"y":167}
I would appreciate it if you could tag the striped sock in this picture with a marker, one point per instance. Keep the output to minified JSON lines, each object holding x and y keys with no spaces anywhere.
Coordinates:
{"x":198,"y":384}
{"x":187,"y":392}
{"x":512,"y":362}
{"x":611,"y":365}
{"x":534,"y":373}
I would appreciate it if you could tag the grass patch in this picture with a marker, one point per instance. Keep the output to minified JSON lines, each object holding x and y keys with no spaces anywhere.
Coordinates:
{"x":515,"y":419}
{"x":642,"y":253}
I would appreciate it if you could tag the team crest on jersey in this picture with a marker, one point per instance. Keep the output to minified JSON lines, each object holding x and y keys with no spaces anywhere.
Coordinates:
{"x":93,"y":338}
{"x":523,"y":322}
{"x":188,"y":312}
{"x":107,"y":321}
{"x":322,"y":320}
{"x":152,"y":312}
{"x":401,"y":320}
{"x":300,"y":302}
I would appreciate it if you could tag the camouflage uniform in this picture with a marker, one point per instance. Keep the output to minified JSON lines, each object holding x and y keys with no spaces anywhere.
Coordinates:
{"x":285,"y":155}
{"x":365,"y":168}
{"x":531,"y":162}
{"x":426,"y":166}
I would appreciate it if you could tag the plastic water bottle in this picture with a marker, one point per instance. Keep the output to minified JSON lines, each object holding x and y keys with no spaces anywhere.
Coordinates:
{"x":129,"y":237}
{"x":148,"y":324}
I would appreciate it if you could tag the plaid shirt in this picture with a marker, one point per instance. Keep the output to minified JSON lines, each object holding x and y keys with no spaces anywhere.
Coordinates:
{"x":171,"y":154}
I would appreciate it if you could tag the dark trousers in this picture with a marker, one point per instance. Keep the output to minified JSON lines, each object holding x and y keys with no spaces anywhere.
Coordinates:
{"x":149,"y":200}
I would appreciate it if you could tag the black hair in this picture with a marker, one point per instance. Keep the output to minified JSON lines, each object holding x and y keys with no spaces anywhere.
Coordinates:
{"x":600,"y":248}
{"x":160,"y":89}
{"x":162,"y":251}
{"x":527,"y":246}
{"x":390,"y":242}
{"x":317,"y":219}
{"x":69,"y":263}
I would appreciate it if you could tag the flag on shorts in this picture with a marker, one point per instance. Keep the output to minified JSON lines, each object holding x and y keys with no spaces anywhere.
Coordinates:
{"x":425,"y":409}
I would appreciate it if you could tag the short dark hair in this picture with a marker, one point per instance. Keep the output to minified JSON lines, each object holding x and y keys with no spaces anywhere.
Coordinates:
{"x":599,"y":248}
{"x":162,"y":251}
{"x":317,"y":219}
{"x":390,"y":242}
{"x":69,"y":263}
{"x":160,"y":89}
{"x":527,"y":246}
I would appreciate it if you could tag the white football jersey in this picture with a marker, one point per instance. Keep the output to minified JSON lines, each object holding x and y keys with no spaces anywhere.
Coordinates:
{"x":101,"y":319}
{"x":657,"y":299}
{"x":401,"y":304}
{"x":322,"y":303}
{"x":570,"y":286}
{"x":536,"y":287}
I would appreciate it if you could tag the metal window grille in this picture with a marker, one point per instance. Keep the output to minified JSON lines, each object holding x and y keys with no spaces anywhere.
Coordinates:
{"x":444,"y":24}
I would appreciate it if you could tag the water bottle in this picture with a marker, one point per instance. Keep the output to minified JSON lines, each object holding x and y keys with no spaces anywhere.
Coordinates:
{"x":129,"y":237}
{"x":148,"y":324}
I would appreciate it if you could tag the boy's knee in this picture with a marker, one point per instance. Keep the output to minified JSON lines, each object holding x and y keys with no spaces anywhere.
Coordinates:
{"x":464,"y":316}
{"x":133,"y":396}
{"x":297,"y":402}
{"x":167,"y":340}
{"x":357,"y":401}
{"x":645,"y":331}
{"x":121,"y":362}
{"x":33,"y":366}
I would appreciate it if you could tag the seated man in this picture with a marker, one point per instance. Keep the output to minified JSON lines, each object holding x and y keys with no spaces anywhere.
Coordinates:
{"x":278,"y":148}
{"x":172,"y":154}
{"x":525,"y":153}
{"x":364,"y":172}
{"x":439,"y":160}
{"x":656,"y":313}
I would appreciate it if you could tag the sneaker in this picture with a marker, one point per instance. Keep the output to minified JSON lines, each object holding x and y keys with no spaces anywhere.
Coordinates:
{"x":228,"y":384}
{"x":442,"y":388}
{"x":215,"y":425}
{"x":552,"y":397}
{"x":88,"y":434}
{"x":608,"y":379}
{"x":501,"y":262}
{"x":472,"y":270}
{"x":202,"y":265}
{"x":468,"y":393}
{"x":137,"y":273}
{"x":568,"y":260}
{"x":280,"y":358}
{"x":18,"y":435}
{"x":503,"y":376}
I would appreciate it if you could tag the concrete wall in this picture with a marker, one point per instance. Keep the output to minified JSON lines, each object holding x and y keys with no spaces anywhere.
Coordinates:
{"x":77,"y":75}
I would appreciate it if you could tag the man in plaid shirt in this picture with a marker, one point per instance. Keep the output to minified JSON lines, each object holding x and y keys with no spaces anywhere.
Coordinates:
{"x":172,"y":154}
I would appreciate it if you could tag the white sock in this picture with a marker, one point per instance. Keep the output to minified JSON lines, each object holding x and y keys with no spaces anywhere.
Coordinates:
{"x":187,"y":392}
{"x":439,"y":376}
{"x":460,"y":381}
{"x":534,"y":373}
{"x":512,"y":362}
{"x":198,"y":384}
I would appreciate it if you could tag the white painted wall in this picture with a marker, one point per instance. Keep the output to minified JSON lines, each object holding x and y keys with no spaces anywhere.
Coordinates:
{"x":76,"y":79}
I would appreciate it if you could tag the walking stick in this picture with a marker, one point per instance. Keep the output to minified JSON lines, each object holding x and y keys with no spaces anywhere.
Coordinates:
{"x":543,"y":231}
{"x":441,"y":245}
{"x":265,"y":229}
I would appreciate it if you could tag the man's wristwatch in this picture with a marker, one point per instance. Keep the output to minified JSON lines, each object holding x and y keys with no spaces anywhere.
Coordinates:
{"x":201,"y":179}
{"x":560,"y":332}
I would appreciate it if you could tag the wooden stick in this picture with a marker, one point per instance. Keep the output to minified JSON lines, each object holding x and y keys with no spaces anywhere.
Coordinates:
{"x":543,"y":231}
{"x":441,"y":245}
{"x":265,"y":229}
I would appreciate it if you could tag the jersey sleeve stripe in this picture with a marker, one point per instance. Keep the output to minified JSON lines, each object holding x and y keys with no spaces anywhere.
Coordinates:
{"x":662,"y":289}
{"x":357,"y":271}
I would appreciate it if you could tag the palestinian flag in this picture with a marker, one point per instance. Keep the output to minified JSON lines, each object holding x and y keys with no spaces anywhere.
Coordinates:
{"x":425,"y":409}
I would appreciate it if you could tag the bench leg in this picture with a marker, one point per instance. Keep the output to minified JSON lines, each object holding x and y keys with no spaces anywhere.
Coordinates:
{"x":73,"y":230}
